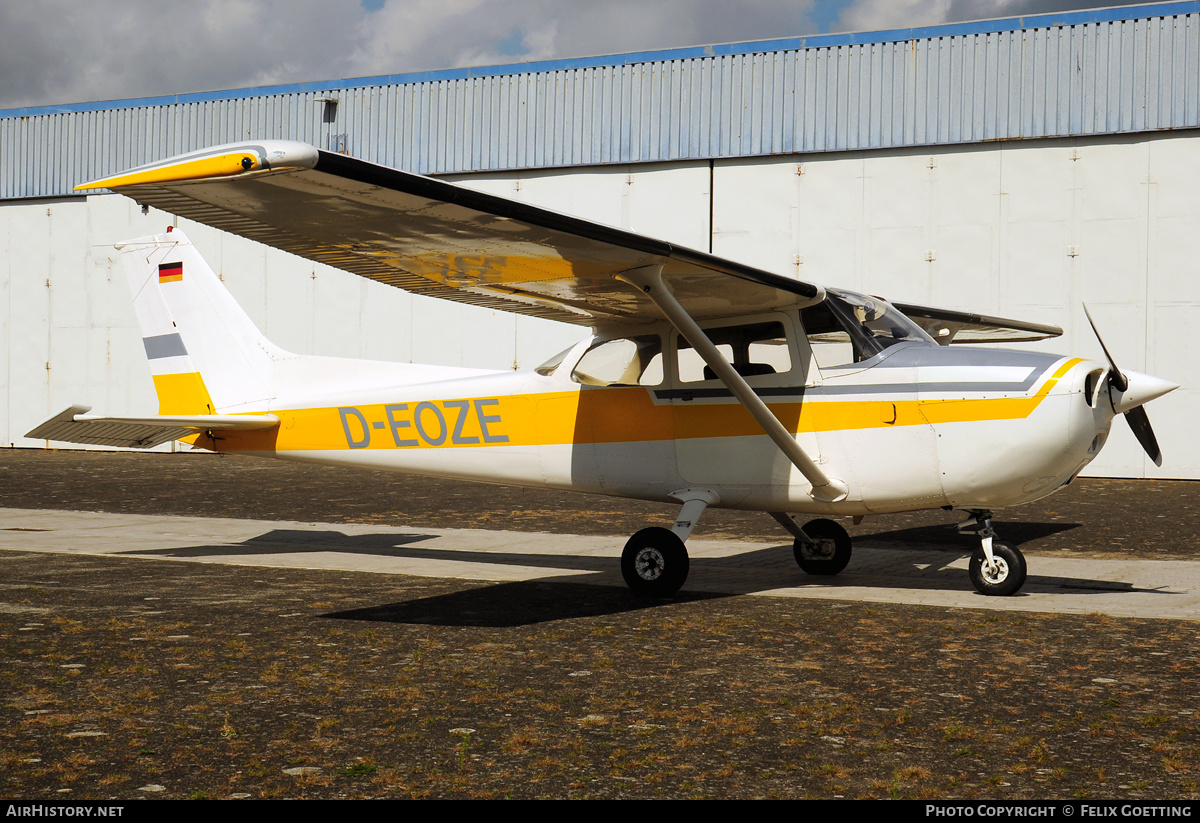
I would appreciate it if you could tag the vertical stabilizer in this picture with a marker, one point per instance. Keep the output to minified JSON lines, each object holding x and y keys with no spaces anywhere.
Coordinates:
{"x":205,"y":353}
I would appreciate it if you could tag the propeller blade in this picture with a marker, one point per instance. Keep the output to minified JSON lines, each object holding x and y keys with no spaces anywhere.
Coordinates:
{"x":1115,"y":376}
{"x":1139,"y":421}
{"x":1148,"y":389}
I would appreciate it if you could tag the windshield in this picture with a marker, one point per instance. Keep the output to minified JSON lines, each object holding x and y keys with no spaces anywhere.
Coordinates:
{"x":873,"y":323}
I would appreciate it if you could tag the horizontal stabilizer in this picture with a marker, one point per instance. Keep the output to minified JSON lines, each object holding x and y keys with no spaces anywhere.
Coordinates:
{"x":75,"y":425}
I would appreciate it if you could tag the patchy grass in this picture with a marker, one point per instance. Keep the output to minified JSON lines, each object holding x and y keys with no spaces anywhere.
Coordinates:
{"x":705,"y":697}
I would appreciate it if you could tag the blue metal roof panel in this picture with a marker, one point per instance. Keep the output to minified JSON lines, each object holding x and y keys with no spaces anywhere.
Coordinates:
{"x":1089,"y":72}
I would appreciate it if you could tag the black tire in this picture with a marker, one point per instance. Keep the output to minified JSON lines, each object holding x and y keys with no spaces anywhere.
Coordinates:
{"x":832,"y":552}
{"x":654,"y":563}
{"x":1007,"y":578}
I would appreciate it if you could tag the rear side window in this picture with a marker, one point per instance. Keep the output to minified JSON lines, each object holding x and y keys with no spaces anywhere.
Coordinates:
{"x":754,"y":349}
{"x":623,"y":361}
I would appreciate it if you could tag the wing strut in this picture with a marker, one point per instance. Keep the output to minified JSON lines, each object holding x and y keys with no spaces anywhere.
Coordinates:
{"x":649,"y":280}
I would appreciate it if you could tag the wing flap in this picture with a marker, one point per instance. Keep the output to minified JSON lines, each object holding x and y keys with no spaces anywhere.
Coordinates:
{"x":74,"y":425}
{"x":442,"y":240}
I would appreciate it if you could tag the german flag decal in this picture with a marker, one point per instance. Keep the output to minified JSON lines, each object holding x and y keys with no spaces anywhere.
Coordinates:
{"x":170,"y":272}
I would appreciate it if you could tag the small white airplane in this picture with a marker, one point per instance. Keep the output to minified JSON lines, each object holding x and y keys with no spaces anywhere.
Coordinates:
{"x":707,"y":382}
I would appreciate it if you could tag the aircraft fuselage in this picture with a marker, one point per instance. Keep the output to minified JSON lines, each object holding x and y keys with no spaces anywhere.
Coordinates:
{"x":916,"y":427}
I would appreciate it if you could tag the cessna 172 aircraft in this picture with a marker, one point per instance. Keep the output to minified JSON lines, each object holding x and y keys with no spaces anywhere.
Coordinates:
{"x":707,"y":382}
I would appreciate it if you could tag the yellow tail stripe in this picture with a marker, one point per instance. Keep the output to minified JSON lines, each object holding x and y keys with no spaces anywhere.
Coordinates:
{"x":182,"y":394}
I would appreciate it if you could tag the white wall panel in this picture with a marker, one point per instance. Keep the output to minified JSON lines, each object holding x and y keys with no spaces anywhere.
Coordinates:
{"x":387,"y":328}
{"x":1175,"y":353}
{"x":964,"y":211}
{"x":283,"y":294}
{"x":71,"y":358}
{"x":1037,"y":191}
{"x":1026,"y":230}
{"x":6,"y":340}
{"x":28,"y":344}
{"x":829,"y":225}
{"x":756,"y":215}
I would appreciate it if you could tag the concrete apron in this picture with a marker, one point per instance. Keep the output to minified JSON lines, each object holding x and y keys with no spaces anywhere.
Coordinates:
{"x":1124,"y":588}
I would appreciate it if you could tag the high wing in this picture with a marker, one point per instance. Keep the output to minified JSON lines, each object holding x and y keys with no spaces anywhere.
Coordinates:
{"x":947,"y":326}
{"x":435,"y":238}
{"x":75,"y":425}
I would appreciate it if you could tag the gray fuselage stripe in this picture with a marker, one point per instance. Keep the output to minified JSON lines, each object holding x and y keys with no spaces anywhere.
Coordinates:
{"x":164,"y":345}
{"x":932,"y":388}
{"x":899,"y":389}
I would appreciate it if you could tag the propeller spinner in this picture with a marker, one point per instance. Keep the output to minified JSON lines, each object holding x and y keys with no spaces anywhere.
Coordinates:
{"x":1129,"y":391}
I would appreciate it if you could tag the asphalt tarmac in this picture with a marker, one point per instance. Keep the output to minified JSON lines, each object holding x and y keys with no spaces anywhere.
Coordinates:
{"x":331,"y":633}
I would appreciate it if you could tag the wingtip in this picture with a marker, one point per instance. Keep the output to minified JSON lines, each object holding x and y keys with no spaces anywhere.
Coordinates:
{"x":229,"y":160}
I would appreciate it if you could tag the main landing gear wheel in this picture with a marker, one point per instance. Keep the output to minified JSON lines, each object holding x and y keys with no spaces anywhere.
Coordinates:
{"x":829,"y":552}
{"x":1005,"y":576}
{"x":654,"y":563}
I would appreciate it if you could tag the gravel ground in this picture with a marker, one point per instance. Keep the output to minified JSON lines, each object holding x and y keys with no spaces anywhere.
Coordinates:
{"x":127,"y":678}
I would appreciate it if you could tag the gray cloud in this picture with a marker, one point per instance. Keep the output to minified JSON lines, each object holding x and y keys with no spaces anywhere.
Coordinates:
{"x":56,"y":51}
{"x":875,"y":15}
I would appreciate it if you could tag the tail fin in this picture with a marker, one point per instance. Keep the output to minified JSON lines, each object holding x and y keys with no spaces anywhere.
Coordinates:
{"x":205,"y":353}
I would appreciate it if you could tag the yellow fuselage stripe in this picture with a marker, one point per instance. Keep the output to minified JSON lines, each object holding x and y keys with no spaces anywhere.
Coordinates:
{"x":604,"y":415}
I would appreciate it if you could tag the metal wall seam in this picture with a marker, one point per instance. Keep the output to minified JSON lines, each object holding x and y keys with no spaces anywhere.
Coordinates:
{"x":1185,"y":65}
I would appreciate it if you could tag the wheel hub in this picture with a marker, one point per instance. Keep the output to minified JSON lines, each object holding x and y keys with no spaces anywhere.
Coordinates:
{"x":649,"y":563}
{"x":996,"y":572}
{"x":820,"y":549}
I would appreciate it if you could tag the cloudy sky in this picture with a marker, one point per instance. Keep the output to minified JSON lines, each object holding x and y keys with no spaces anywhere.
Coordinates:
{"x":66,"y":51}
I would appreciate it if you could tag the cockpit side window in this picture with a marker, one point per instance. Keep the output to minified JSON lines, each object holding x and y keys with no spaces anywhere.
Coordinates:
{"x":753,"y":349}
{"x":831,"y":343}
{"x":622,"y":361}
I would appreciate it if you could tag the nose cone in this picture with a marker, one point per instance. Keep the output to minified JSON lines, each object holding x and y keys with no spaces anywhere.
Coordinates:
{"x":1142,"y":388}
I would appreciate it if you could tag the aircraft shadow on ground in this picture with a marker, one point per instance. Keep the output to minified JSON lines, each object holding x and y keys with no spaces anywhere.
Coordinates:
{"x":925,"y":564}
{"x":523,"y":603}
{"x":1016,"y":533}
{"x":298,"y":541}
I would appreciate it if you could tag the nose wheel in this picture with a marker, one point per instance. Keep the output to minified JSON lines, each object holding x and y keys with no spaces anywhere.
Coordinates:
{"x":996,"y":568}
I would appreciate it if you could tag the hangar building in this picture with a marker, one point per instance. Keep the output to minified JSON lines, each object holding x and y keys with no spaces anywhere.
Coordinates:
{"x":1017,"y":167}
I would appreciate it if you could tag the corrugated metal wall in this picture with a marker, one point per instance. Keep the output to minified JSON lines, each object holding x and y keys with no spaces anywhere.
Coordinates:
{"x":1081,"y":73}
